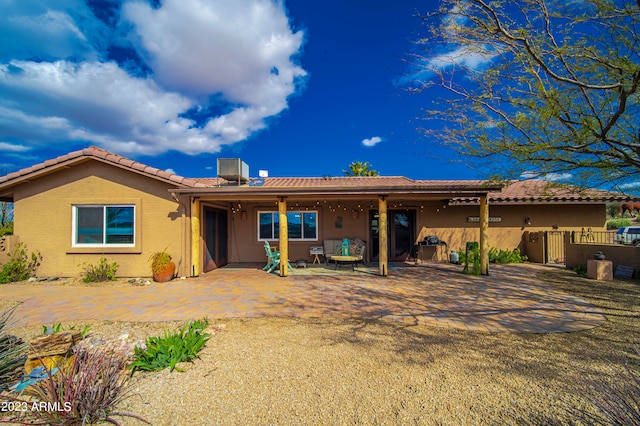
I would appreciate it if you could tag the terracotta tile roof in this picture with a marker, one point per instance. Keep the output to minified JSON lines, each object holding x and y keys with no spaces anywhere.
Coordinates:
{"x":345,"y":185}
{"x":333,"y":182}
{"x":369,"y":181}
{"x":516,"y":192}
{"x":99,"y":154}
{"x":538,"y":191}
{"x":210,"y":182}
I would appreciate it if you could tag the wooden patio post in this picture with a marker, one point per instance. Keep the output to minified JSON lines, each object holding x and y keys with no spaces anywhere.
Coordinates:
{"x":284,"y":236}
{"x":195,"y":237}
{"x":383,"y":235}
{"x":484,"y":234}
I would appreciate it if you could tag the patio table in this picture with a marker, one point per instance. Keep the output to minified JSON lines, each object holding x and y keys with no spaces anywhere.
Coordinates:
{"x":346,"y":259}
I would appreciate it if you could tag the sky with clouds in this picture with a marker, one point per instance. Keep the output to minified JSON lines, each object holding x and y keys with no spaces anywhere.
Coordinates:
{"x":297,"y":88}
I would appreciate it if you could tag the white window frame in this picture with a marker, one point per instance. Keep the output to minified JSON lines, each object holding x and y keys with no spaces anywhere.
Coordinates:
{"x":74,"y":220}
{"x":275,"y":213}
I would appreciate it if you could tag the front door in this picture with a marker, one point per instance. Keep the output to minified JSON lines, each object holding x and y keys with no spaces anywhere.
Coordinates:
{"x":401,"y":234}
{"x":215,"y":239}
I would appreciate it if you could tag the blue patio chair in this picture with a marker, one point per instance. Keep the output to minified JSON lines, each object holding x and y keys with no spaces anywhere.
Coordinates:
{"x":273,"y":259}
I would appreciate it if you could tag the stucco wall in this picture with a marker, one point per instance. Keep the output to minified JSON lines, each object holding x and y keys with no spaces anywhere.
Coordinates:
{"x":43,"y":218}
{"x":450,"y":224}
{"x":578,"y":254}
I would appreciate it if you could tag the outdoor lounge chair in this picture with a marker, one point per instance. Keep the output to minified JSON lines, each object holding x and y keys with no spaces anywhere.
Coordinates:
{"x":273,"y":259}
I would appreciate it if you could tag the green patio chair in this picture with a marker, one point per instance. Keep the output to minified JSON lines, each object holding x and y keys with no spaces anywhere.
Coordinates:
{"x":273,"y":259}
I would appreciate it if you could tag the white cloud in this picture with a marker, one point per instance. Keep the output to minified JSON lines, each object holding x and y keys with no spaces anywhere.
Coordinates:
{"x":549,"y":177}
{"x":372,"y":141}
{"x":8,"y":147}
{"x":232,"y":60}
{"x":630,"y":185}
{"x":473,"y":58}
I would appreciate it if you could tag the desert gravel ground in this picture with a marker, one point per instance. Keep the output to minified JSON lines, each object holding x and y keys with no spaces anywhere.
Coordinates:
{"x":343,"y":372}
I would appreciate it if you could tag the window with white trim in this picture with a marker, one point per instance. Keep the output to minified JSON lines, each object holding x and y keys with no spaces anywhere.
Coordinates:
{"x":302,"y":225}
{"x":103,"y":225}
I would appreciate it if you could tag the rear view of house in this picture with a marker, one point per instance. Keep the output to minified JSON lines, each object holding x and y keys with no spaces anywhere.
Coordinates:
{"x":91,"y":203}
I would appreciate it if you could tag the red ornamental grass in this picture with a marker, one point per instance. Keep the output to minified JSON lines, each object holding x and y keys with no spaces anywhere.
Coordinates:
{"x":86,"y":392}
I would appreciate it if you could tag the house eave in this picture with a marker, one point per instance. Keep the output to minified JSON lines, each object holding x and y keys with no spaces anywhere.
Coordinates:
{"x":252,"y":192}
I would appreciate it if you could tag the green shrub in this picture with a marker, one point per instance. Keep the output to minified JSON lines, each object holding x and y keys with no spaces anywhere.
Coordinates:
{"x":20,"y":265}
{"x":13,"y":353}
{"x":506,"y":256}
{"x":103,"y":271}
{"x":172,"y":348}
{"x":618,"y":223}
{"x":580,"y":270}
{"x":6,"y":229}
{"x":495,"y":256}
{"x":472,"y":256}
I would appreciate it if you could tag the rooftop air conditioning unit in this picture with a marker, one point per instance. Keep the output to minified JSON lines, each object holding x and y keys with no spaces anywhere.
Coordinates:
{"x":233,"y":169}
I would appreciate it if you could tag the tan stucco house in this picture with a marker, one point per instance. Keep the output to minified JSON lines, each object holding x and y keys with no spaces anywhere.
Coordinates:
{"x":92,"y":203}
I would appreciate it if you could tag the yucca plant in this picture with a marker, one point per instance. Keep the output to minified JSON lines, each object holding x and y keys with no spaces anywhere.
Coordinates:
{"x":13,"y":352}
{"x":172,"y":348}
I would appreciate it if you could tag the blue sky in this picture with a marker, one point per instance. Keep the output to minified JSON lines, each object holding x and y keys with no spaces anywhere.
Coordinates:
{"x":298,"y":88}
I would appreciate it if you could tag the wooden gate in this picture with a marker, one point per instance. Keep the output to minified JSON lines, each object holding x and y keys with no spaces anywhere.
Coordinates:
{"x":554,"y":250}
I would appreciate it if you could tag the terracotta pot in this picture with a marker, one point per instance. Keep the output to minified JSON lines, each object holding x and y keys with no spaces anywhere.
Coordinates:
{"x":166,"y":274}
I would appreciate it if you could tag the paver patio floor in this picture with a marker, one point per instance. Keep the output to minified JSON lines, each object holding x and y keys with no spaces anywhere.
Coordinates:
{"x":511,"y":299}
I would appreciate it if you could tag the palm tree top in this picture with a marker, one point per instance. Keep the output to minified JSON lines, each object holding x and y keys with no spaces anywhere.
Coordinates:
{"x":359,"y":168}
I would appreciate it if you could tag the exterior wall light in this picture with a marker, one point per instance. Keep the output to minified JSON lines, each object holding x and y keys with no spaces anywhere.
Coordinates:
{"x":527,"y":221}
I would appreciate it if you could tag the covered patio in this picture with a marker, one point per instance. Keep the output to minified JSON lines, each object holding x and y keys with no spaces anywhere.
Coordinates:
{"x":229,"y":222}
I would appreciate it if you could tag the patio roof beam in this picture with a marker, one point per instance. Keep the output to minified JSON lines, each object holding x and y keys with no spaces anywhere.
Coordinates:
{"x":484,"y":235}
{"x":284,"y":236}
{"x":442,"y":193}
{"x":383,"y":255}
{"x":195,"y":236}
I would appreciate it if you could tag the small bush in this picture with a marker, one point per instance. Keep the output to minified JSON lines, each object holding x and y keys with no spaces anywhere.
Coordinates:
{"x":20,"y":265}
{"x":495,"y":256}
{"x":13,"y":353}
{"x":472,"y":256}
{"x":506,"y":256}
{"x":618,"y":223}
{"x":6,"y":229}
{"x":580,"y":270}
{"x":613,"y":210}
{"x":87,"y":392}
{"x":172,"y":348}
{"x":103,"y":271}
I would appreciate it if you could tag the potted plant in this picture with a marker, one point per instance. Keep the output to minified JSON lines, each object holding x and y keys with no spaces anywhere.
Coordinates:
{"x":162,"y":267}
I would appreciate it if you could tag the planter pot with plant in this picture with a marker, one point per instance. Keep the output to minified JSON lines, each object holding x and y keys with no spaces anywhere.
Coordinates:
{"x":162,"y":267}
